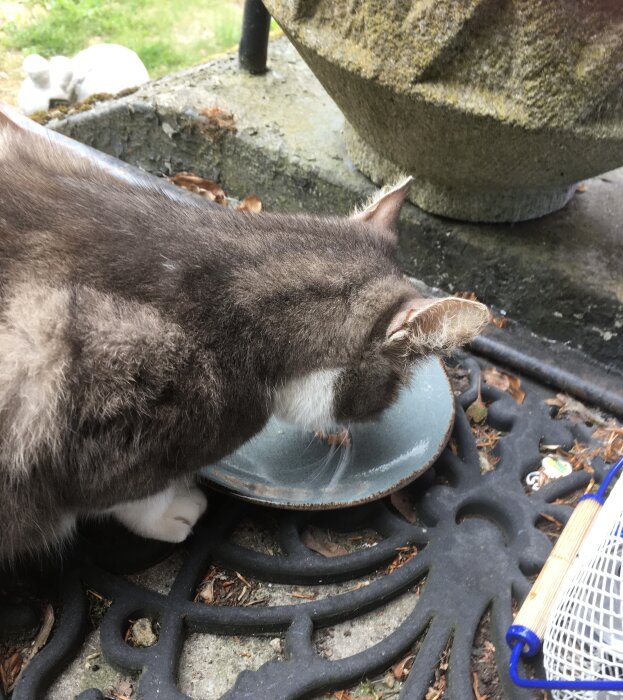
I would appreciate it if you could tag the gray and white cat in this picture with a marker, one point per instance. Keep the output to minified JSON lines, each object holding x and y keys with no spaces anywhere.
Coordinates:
{"x":143,"y":336}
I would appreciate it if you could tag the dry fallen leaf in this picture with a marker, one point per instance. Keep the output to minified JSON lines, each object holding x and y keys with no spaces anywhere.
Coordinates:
{"x":405,"y":554}
{"x":459,"y":378}
{"x":478,"y":695}
{"x":470,"y":296}
{"x":230,"y":588}
{"x":579,"y":456}
{"x":477,"y":412}
{"x":121,"y":690}
{"x":486,"y":437}
{"x":318,"y":541}
{"x":568,"y":406}
{"x":581,"y":188}
{"x":499,"y":321}
{"x":343,"y":695}
{"x":16,"y":669}
{"x":200,"y":185}
{"x":206,"y":593}
{"x":389,"y":680}
{"x":140,"y":633}
{"x":612,"y":437}
{"x":487,"y":463}
{"x":506,"y":382}
{"x":10,"y":668}
{"x":403,"y":503}
{"x":250,"y":203}
{"x":552,"y":520}
{"x":401,"y":669}
{"x":437,"y":691}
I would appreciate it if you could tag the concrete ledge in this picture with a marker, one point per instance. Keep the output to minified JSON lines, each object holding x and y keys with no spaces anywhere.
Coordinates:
{"x":561,"y":276}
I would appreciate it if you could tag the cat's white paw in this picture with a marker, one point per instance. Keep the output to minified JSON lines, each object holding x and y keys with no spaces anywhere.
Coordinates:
{"x":185,"y":509}
{"x":169,"y":515}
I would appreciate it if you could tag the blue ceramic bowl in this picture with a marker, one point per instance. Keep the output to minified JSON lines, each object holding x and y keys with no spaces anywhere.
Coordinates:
{"x":286,"y":467}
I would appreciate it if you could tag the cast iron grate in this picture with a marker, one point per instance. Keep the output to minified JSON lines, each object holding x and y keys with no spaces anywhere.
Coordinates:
{"x":478,"y":546}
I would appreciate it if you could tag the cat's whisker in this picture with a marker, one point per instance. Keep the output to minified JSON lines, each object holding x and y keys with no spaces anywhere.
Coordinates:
{"x":345,"y":455}
{"x":310,"y":443}
{"x":325,"y":462}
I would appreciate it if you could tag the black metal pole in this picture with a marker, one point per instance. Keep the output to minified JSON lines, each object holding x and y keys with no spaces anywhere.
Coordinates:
{"x":254,"y":40}
{"x":548,"y":374}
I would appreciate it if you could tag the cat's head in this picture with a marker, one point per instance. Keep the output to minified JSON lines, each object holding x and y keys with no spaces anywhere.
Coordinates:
{"x":401,"y":327}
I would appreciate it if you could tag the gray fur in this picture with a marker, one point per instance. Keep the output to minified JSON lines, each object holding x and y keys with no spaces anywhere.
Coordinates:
{"x":144,"y":336}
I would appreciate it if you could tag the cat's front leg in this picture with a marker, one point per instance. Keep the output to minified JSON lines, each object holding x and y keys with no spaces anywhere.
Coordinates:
{"x":168,"y":515}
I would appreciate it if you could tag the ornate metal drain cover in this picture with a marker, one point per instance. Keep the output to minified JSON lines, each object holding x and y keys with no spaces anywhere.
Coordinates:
{"x":469,"y":555}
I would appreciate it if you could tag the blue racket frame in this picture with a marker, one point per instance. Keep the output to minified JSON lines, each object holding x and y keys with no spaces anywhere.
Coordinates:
{"x":525,"y":643}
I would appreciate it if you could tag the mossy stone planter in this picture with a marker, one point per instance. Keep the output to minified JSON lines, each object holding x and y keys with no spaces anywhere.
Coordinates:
{"x":497,"y":108}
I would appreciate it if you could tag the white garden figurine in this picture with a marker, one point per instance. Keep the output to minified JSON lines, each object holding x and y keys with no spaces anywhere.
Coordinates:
{"x":106,"y":68}
{"x":46,"y":81}
{"x":101,"y":68}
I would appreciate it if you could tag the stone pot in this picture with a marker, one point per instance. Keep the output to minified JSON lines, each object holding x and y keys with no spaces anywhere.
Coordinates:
{"x":498,"y":109}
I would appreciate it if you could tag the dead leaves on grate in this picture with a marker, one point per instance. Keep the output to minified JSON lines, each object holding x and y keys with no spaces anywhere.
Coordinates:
{"x":346,"y":695}
{"x":568,"y":407}
{"x":229,"y":588}
{"x":477,"y":411}
{"x":486,"y":440}
{"x":401,"y":670}
{"x":98,"y":605}
{"x":123,"y":689}
{"x":580,"y":456}
{"x":11,"y":660}
{"x":486,"y":437}
{"x":608,"y":432}
{"x":319,"y":541}
{"x":403,"y":502}
{"x":404,"y":555}
{"x":15,"y":659}
{"x":611,"y":437}
{"x":459,"y":378}
{"x":142,"y":632}
{"x":505,"y":382}
{"x":437,"y":690}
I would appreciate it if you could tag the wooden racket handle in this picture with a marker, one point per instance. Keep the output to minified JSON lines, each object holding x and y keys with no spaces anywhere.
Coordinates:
{"x":534,"y":612}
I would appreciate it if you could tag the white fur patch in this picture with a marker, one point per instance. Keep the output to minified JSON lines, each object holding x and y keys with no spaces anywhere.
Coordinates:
{"x":308,"y":401}
{"x":168,"y":515}
{"x":33,"y":363}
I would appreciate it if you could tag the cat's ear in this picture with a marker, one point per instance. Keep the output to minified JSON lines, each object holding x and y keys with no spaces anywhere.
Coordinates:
{"x":422,"y":326}
{"x":37,"y":69}
{"x":384,"y":210}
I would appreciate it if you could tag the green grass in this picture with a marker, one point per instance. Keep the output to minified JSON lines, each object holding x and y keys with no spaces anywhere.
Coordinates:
{"x":166,"y":34}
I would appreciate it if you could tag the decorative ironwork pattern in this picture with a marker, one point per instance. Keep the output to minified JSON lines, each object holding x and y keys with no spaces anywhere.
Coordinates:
{"x":478,"y":544}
